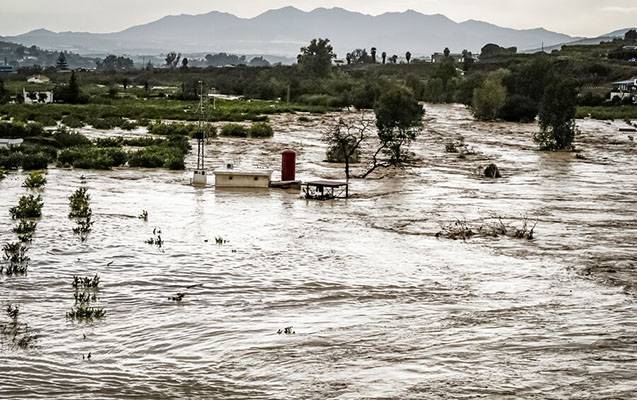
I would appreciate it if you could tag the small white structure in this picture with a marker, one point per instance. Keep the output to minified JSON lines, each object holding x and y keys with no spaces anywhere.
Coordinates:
{"x":38,"y":79}
{"x":8,"y":143}
{"x":37,"y":97}
{"x":231,"y":178}
{"x":199,"y":177}
{"x":624,"y":89}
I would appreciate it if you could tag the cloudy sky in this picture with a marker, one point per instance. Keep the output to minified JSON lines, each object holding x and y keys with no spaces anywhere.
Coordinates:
{"x":574,"y":17}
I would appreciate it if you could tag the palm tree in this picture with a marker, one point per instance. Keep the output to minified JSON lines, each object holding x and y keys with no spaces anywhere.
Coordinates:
{"x":408,"y":57}
{"x":384,"y":56}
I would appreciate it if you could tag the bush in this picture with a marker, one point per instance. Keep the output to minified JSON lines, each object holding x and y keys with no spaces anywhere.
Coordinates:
{"x":234,"y":130}
{"x":36,"y":179}
{"x":35,"y":161}
{"x":73,"y":122}
{"x":92,"y":157}
{"x":20,"y":130}
{"x":557,"y":115}
{"x":157,"y":157}
{"x":489,"y":98}
{"x":11,"y":160}
{"x":109,"y":142}
{"x":518,"y":108}
{"x":64,"y":138}
{"x":29,"y":206}
{"x":261,"y":130}
{"x":128,"y":125}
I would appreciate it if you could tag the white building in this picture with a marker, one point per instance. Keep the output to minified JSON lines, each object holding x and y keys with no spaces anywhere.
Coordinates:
{"x":37,"y":97}
{"x":624,"y":89}
{"x":7,"y":143}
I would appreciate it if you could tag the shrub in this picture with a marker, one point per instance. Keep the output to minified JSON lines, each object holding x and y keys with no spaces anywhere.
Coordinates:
{"x":64,"y":138}
{"x":261,"y":130}
{"x":29,"y":206}
{"x":19,"y":130}
{"x":128,"y":125}
{"x":109,"y":142}
{"x":557,"y":116}
{"x":518,"y":109}
{"x":72,"y":121}
{"x":489,"y":98}
{"x":234,"y":130}
{"x":92,"y":157}
{"x":158,"y":157}
{"x":36,"y":179}
{"x":11,"y":160}
{"x":35,"y":161}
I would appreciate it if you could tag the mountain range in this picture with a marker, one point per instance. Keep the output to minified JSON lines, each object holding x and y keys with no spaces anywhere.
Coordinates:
{"x":283,"y":31}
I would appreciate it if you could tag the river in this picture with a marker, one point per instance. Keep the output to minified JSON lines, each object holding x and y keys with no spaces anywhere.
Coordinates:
{"x":380,"y":308}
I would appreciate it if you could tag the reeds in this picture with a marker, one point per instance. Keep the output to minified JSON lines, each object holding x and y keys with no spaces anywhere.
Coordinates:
{"x":17,"y":333}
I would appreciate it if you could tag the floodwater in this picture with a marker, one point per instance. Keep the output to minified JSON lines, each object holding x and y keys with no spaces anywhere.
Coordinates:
{"x":380,"y":307}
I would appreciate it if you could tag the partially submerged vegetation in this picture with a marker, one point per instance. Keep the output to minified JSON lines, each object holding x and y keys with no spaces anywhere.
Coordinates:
{"x":81,"y":212}
{"x":85,"y":297}
{"x":16,"y":334}
{"x":72,"y":149}
{"x":460,"y":229}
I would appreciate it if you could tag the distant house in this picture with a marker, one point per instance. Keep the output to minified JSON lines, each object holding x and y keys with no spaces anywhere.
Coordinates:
{"x":37,"y":97}
{"x":7,"y":143}
{"x":624,"y":89}
{"x":38,"y":79}
{"x":440,"y":57}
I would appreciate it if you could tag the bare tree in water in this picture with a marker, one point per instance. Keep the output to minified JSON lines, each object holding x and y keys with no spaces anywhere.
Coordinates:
{"x":344,"y":139}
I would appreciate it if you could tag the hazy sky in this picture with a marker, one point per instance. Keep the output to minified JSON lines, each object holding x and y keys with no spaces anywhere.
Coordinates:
{"x":574,"y":17}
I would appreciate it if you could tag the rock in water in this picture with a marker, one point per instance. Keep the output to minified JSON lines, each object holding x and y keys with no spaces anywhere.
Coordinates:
{"x":492,"y":171}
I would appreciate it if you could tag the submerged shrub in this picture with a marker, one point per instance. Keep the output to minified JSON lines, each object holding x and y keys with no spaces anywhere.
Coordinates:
{"x":36,"y":179}
{"x":261,"y":130}
{"x":29,"y":206}
{"x":72,"y":121}
{"x":92,"y":157}
{"x":65,"y":138}
{"x":35,"y":161}
{"x":234,"y":130}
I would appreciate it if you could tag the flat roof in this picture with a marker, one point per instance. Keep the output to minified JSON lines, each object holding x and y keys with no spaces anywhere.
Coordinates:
{"x":326,"y":183}
{"x":263,"y":172}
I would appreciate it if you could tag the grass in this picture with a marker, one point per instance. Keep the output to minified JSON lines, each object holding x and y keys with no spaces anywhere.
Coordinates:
{"x":152,"y":109}
{"x":608,"y":113}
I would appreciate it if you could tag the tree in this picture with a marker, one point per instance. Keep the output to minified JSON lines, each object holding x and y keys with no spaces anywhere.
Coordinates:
{"x":345,"y":138}
{"x":149,"y":66}
{"x":184,"y":63}
{"x":491,"y":50}
{"x":125,"y":83}
{"x":398,"y":116}
{"x":4,"y":94}
{"x":259,"y":62}
{"x":373,"y":53}
{"x":518,"y":108}
{"x":408,"y":57}
{"x":384,"y":56}
{"x":115,"y":63}
{"x":447,"y":52}
{"x":360,"y":56}
{"x":557,"y":115}
{"x":467,"y":60}
{"x":61,"y":62}
{"x":172,"y":59}
{"x":631,"y":35}
{"x":393,"y":59}
{"x":489,"y":97}
{"x":316,"y":58}
{"x":70,"y":93}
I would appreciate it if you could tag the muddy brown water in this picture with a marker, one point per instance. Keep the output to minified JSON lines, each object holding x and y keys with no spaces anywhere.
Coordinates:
{"x":380,"y":307}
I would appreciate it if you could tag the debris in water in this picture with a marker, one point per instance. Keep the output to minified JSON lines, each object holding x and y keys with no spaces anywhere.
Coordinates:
{"x":492,"y":171}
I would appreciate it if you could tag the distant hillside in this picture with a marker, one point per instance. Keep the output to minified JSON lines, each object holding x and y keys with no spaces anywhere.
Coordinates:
{"x":283,"y":31}
{"x":586,"y":41}
{"x":18,"y":55}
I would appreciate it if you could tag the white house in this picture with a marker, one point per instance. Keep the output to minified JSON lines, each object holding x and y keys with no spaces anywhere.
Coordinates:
{"x":38,"y":79}
{"x":624,"y":89}
{"x":7,"y":143}
{"x":37,"y":97}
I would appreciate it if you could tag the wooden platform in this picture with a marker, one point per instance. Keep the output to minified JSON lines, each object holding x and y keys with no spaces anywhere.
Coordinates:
{"x":325,"y":190}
